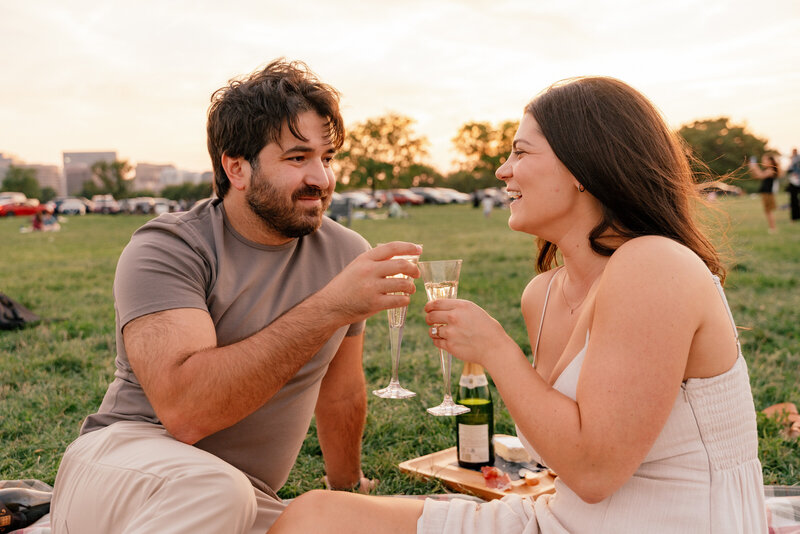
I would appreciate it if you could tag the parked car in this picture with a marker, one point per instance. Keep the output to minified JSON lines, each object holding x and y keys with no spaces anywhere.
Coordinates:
{"x":70,"y":206}
{"x":104,"y":204}
{"x":29,"y":207}
{"x":431,"y":195}
{"x":164,"y":205}
{"x":124,"y":205}
{"x":361,"y":199}
{"x":407,"y":197}
{"x":141,"y":205}
{"x":453,"y":196}
{"x":11,"y":197}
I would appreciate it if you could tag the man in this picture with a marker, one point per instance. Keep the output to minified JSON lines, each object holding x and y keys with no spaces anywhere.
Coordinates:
{"x":793,"y":174}
{"x":236,"y":322}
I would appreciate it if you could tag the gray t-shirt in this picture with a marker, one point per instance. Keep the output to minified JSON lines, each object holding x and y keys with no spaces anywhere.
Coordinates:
{"x":197,"y":260}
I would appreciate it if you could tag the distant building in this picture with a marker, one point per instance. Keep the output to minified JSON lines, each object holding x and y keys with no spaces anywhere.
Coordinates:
{"x":78,"y":167}
{"x":152,"y":176}
{"x":191,"y":177}
{"x":46,"y":175}
{"x":155,"y":177}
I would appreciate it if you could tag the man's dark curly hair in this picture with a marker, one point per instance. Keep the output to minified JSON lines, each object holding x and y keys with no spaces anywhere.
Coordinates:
{"x":249,"y":113}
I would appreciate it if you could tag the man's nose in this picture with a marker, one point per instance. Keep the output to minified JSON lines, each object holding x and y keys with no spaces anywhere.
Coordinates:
{"x":318,"y":175}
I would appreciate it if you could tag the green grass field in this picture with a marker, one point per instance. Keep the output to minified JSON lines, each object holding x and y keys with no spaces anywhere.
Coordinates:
{"x":54,"y":374}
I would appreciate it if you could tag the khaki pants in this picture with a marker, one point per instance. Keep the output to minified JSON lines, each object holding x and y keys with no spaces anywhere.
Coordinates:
{"x":133,"y":477}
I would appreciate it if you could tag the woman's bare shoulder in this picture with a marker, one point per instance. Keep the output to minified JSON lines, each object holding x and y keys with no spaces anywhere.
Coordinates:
{"x":534,"y":292}
{"x":656,"y":261}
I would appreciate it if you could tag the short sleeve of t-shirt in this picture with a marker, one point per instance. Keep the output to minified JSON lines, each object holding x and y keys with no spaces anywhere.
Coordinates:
{"x":159,"y":270}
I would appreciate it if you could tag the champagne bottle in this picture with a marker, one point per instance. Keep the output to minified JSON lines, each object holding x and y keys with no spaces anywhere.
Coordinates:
{"x":474,"y":430}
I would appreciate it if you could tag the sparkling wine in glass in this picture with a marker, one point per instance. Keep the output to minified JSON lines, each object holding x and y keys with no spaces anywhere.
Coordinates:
{"x":397,"y":320}
{"x":441,"y":282}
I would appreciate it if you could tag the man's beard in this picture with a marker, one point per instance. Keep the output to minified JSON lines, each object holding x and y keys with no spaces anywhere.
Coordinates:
{"x":280,"y":213}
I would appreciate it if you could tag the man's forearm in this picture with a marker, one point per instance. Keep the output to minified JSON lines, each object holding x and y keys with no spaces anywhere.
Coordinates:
{"x":341,"y":413}
{"x":340,"y":429}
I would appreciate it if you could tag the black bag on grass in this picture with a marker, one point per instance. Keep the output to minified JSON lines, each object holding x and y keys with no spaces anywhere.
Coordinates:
{"x":14,"y":315}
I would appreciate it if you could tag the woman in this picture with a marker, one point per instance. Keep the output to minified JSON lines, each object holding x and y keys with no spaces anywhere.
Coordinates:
{"x":768,"y":176}
{"x":639,"y":397}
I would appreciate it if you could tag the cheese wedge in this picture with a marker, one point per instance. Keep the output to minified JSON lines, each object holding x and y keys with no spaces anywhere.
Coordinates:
{"x":510,"y":449}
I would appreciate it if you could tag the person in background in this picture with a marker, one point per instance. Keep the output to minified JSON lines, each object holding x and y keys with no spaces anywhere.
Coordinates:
{"x":487,"y":202}
{"x":768,"y":174}
{"x":37,"y":223}
{"x":639,"y":396}
{"x":50,"y":222}
{"x":793,"y":175}
{"x":236,"y":322}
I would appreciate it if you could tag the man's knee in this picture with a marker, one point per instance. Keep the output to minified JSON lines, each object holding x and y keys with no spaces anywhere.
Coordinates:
{"x":223,"y":488}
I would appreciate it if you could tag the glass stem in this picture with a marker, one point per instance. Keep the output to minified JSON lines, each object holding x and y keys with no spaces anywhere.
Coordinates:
{"x":395,"y":336}
{"x":446,"y":358}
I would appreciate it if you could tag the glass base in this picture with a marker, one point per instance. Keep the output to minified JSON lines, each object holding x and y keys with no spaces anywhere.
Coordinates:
{"x":448,"y":408}
{"x":394,"y":391}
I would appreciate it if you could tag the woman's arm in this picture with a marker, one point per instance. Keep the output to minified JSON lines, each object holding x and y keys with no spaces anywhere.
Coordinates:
{"x":762,"y":174}
{"x":646,"y":314}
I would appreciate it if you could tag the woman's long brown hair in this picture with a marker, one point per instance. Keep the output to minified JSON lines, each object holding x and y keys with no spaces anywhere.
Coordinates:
{"x":617,"y":145}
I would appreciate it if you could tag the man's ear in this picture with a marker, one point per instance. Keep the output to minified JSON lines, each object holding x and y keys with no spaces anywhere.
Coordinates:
{"x":238,"y":171}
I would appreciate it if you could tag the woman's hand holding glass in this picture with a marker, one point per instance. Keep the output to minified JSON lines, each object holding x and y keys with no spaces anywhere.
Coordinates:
{"x":467,"y":332}
{"x":441,"y":282}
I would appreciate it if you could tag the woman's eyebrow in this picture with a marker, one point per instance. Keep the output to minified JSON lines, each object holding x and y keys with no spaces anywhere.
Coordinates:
{"x":518,"y":141}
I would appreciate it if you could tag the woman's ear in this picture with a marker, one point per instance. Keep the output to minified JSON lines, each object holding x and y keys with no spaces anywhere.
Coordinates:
{"x":238,"y":171}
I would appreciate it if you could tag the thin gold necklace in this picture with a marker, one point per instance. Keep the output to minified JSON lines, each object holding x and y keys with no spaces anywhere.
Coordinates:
{"x":564,"y":295}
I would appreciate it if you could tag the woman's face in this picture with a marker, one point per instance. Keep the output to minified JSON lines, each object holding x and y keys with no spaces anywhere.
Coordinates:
{"x":541,"y":189}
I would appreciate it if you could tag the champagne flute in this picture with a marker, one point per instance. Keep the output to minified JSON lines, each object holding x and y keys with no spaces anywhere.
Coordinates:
{"x":441,"y":282}
{"x":397,"y":320}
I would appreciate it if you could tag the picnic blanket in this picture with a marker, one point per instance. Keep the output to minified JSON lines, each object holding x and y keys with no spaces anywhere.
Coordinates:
{"x":783,"y":506}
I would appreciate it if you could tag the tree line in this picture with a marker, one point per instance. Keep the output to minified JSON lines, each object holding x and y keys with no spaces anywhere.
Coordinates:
{"x":385,"y":152}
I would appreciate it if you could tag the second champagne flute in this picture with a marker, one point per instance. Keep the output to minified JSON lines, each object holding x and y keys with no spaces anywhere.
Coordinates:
{"x":441,"y":282}
{"x":397,"y":320}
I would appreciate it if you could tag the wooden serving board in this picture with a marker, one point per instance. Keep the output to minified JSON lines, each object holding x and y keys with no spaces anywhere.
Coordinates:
{"x":444,"y":466}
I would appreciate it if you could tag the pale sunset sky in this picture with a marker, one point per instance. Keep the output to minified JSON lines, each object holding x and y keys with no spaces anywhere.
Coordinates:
{"x":136,"y":77}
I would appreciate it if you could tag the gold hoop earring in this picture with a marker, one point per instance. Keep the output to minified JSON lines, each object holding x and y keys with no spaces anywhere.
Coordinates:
{"x":581,"y":188}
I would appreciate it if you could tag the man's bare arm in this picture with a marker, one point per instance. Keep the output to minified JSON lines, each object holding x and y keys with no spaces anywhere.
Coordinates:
{"x":197,"y":388}
{"x":341,"y":413}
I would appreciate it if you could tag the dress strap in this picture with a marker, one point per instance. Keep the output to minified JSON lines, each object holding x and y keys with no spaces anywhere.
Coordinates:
{"x":541,"y":321}
{"x":718,"y":283}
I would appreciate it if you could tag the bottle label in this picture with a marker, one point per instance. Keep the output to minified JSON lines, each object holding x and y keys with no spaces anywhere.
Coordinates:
{"x":473,"y":381}
{"x":473,"y":443}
